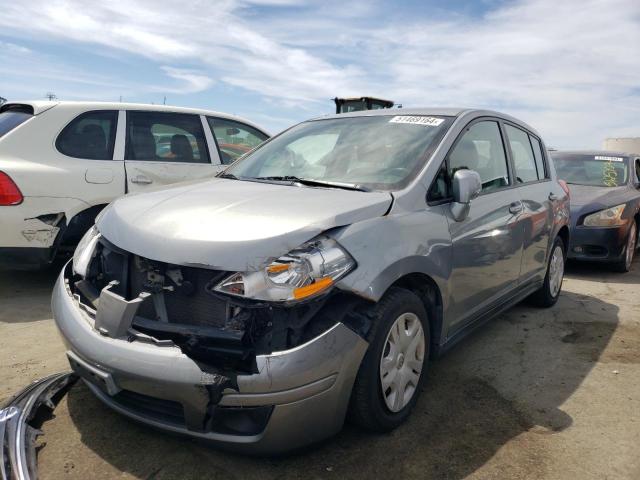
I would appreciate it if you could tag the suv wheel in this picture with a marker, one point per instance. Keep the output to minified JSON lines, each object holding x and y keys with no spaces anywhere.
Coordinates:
{"x":394,"y":368}
{"x":630,"y":249}
{"x":548,"y":294}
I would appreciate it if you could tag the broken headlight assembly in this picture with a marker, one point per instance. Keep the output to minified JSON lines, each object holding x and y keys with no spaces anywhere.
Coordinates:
{"x":84,"y":251}
{"x":303,"y":273}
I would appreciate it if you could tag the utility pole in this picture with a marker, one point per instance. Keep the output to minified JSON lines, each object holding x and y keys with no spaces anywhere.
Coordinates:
{"x":51,"y":96}
{"x":164,"y":102}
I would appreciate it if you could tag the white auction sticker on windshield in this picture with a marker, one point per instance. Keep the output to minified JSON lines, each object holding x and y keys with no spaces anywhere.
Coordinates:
{"x":609,"y":159}
{"x":417,"y":120}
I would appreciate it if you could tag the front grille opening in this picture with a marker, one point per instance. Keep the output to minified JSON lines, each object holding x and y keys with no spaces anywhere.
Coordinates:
{"x":182,"y":291}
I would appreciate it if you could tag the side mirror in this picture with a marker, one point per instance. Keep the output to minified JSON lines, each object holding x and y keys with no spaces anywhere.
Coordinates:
{"x":466,"y":186}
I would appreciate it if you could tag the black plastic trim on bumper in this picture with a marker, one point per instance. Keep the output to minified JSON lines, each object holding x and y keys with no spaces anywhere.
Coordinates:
{"x":18,"y":427}
{"x":599,"y":244}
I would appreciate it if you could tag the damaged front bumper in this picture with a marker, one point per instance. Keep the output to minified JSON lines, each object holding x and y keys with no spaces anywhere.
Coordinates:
{"x":20,"y":422}
{"x":296,"y":397}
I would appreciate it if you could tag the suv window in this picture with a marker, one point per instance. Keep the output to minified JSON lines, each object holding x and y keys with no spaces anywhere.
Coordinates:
{"x":90,"y":135}
{"x":234,"y":138}
{"x":10,"y":119}
{"x":165,"y":137}
{"x":523,"y":159}
{"x":481,"y":149}
{"x":537,"y":153}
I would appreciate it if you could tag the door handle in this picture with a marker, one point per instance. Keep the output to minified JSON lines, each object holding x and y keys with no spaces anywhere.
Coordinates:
{"x":141,"y":179}
{"x":515,"y":207}
{"x":553,"y":197}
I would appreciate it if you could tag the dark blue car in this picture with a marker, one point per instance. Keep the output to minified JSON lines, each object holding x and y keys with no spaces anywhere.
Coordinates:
{"x":605,"y":205}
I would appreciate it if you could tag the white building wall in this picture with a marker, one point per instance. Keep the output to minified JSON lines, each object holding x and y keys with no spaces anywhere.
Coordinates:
{"x":629,"y":145}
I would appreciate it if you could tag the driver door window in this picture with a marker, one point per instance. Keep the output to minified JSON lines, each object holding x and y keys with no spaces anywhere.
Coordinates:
{"x":481,"y":149}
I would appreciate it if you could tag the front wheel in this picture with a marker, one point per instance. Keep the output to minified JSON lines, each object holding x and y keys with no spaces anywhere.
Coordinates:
{"x":548,"y":294}
{"x":394,"y":368}
{"x":630,"y":249}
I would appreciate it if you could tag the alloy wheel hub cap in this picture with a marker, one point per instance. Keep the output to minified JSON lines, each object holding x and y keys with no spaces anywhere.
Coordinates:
{"x":401,"y":361}
{"x":631,"y":247}
{"x":556,"y":270}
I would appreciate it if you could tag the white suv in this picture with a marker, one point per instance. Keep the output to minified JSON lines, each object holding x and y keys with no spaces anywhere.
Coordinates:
{"x":62,"y":162}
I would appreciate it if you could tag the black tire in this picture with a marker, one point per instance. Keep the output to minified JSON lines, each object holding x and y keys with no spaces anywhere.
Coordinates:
{"x":367,"y":407}
{"x":624,"y":265}
{"x":544,"y":297}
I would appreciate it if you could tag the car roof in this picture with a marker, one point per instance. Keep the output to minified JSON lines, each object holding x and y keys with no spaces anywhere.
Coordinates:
{"x":437,"y":111}
{"x":40,"y":106}
{"x":592,"y":153}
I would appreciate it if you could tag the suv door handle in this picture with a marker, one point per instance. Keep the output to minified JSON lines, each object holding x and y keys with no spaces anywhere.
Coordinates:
{"x":515,"y":207}
{"x":553,"y":197}
{"x":141,"y":179}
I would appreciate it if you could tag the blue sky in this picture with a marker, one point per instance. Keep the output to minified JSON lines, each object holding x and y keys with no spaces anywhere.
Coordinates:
{"x":571,"y":68}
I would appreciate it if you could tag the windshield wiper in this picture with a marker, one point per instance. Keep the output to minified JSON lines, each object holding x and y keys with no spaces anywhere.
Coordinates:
{"x":314,"y":183}
{"x":230,"y":176}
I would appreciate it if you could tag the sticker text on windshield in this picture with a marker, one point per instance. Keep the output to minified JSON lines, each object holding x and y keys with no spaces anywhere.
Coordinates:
{"x":417,"y":120}
{"x":609,"y":159}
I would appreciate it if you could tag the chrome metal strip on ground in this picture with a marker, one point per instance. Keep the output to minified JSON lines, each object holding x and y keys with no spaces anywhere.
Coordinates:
{"x":19,"y":428}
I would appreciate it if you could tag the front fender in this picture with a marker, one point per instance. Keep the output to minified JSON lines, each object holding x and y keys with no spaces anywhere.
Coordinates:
{"x":390,"y":247}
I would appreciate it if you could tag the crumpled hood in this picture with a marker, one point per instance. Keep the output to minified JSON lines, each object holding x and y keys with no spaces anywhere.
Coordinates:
{"x":230,"y":224}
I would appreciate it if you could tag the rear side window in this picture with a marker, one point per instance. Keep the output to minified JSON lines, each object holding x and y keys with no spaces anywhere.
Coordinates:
{"x":90,"y":135}
{"x":234,"y":138}
{"x":522,"y":153}
{"x":537,"y":153}
{"x":11,"y":119}
{"x":166,"y":137}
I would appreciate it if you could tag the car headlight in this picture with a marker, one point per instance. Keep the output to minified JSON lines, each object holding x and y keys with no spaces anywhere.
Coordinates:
{"x":611,"y":217}
{"x":303,"y":273}
{"x":84,"y":251}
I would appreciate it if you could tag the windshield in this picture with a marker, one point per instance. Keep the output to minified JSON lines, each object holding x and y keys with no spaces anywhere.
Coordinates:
{"x":376,"y":152}
{"x":593,"y":170}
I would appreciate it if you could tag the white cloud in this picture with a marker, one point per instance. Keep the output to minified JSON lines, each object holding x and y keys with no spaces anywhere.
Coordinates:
{"x":12,"y":48}
{"x":27,"y":74}
{"x":192,"y":80}
{"x":569,"y":68}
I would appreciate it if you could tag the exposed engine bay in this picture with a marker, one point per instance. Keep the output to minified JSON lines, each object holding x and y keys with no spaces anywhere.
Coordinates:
{"x":177,"y":304}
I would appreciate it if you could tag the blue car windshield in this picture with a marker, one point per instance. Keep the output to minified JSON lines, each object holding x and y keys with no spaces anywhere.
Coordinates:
{"x":372,"y":152}
{"x":592,"y":170}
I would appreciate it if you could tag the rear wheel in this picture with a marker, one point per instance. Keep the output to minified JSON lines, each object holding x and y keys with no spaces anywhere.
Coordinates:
{"x":548,"y":294}
{"x":630,"y":249}
{"x":394,"y":368}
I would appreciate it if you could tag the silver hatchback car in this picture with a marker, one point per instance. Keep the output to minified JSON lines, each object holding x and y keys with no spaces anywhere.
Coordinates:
{"x":315,"y":278}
